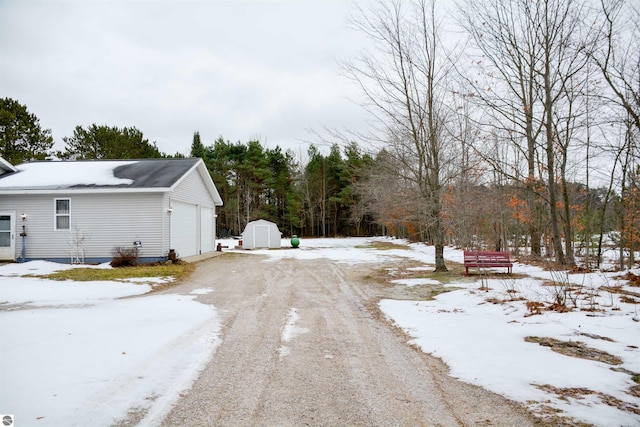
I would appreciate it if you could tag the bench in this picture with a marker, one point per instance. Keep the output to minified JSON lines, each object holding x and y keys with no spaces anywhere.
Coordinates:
{"x":483,"y":259}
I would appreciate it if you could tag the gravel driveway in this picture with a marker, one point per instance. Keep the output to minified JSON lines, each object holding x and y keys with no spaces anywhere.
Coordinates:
{"x":303,"y":343}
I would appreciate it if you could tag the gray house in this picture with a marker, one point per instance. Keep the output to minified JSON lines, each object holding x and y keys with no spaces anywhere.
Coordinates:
{"x":79,"y":211}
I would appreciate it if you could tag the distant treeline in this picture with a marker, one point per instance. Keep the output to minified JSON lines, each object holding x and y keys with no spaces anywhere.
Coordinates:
{"x":319,"y":198}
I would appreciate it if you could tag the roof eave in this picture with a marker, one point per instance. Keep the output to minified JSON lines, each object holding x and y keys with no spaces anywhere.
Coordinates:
{"x":83,"y":190}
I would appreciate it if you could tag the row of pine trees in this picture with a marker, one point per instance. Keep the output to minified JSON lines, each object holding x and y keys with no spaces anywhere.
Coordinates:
{"x":318,"y":198}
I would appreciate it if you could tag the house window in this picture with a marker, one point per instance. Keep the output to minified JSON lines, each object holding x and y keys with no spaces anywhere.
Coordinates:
{"x":63,"y":214}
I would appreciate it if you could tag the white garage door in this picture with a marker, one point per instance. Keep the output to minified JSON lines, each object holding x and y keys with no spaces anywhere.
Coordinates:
{"x":206,"y":229}
{"x":184,"y":228}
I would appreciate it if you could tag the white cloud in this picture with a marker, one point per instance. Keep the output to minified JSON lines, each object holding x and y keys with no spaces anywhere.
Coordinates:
{"x":236,"y":69}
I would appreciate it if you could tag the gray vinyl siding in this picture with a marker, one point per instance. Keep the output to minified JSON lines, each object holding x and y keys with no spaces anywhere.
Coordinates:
{"x":192,"y":190}
{"x":106,"y":220}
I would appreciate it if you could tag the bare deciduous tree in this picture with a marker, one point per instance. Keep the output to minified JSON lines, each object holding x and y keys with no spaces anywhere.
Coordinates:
{"x":507,"y":60}
{"x":405,"y":85}
{"x":534,"y":55}
{"x":618,"y":56}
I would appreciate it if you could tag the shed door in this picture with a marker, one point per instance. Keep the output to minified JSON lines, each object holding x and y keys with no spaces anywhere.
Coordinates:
{"x":184,"y":228}
{"x":7,"y":237}
{"x":261,"y":236}
{"x":206,"y":230}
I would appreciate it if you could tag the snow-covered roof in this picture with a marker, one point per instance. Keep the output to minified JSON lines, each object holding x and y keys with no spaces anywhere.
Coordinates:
{"x":103,"y":176}
{"x":59,"y":175}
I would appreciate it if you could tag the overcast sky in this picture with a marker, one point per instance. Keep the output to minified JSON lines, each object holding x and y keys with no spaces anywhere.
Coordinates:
{"x":239,"y":69}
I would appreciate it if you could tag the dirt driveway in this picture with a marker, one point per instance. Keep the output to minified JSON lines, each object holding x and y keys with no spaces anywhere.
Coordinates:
{"x":303,"y":343}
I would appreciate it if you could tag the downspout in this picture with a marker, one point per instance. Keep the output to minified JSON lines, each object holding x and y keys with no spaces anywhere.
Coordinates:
{"x":169,"y":210}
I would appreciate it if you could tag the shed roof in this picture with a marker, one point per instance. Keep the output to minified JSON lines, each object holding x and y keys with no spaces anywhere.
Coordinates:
{"x":261,"y":222}
{"x":103,"y":175}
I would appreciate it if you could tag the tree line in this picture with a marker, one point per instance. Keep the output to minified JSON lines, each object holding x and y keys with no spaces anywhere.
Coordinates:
{"x":23,"y":139}
{"x":319,"y":198}
{"x":523,"y":136}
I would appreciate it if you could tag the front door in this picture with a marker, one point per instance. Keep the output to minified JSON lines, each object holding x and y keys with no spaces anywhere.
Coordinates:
{"x":7,"y":237}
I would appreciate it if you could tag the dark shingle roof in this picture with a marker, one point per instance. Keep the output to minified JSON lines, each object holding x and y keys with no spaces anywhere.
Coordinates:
{"x":162,"y":173}
{"x":97,"y":174}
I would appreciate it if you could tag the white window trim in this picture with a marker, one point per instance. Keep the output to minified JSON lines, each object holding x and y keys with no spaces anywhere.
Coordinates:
{"x":56,"y":214}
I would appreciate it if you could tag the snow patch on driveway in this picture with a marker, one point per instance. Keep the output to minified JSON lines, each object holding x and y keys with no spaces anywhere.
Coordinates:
{"x":290,"y":331}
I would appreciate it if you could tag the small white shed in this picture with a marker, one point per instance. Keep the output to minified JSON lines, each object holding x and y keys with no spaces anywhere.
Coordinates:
{"x":261,"y":234}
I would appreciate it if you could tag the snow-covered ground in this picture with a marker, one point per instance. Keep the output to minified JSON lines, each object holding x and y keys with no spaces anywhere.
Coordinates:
{"x":81,"y":354}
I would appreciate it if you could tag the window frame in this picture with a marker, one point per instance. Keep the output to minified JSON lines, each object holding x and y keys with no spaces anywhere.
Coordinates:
{"x":57,"y":215}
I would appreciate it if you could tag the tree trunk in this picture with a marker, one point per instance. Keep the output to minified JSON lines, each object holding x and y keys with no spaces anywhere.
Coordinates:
{"x":553,"y":209}
{"x":550,"y":139}
{"x":440,"y":265}
{"x":568,"y":229}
